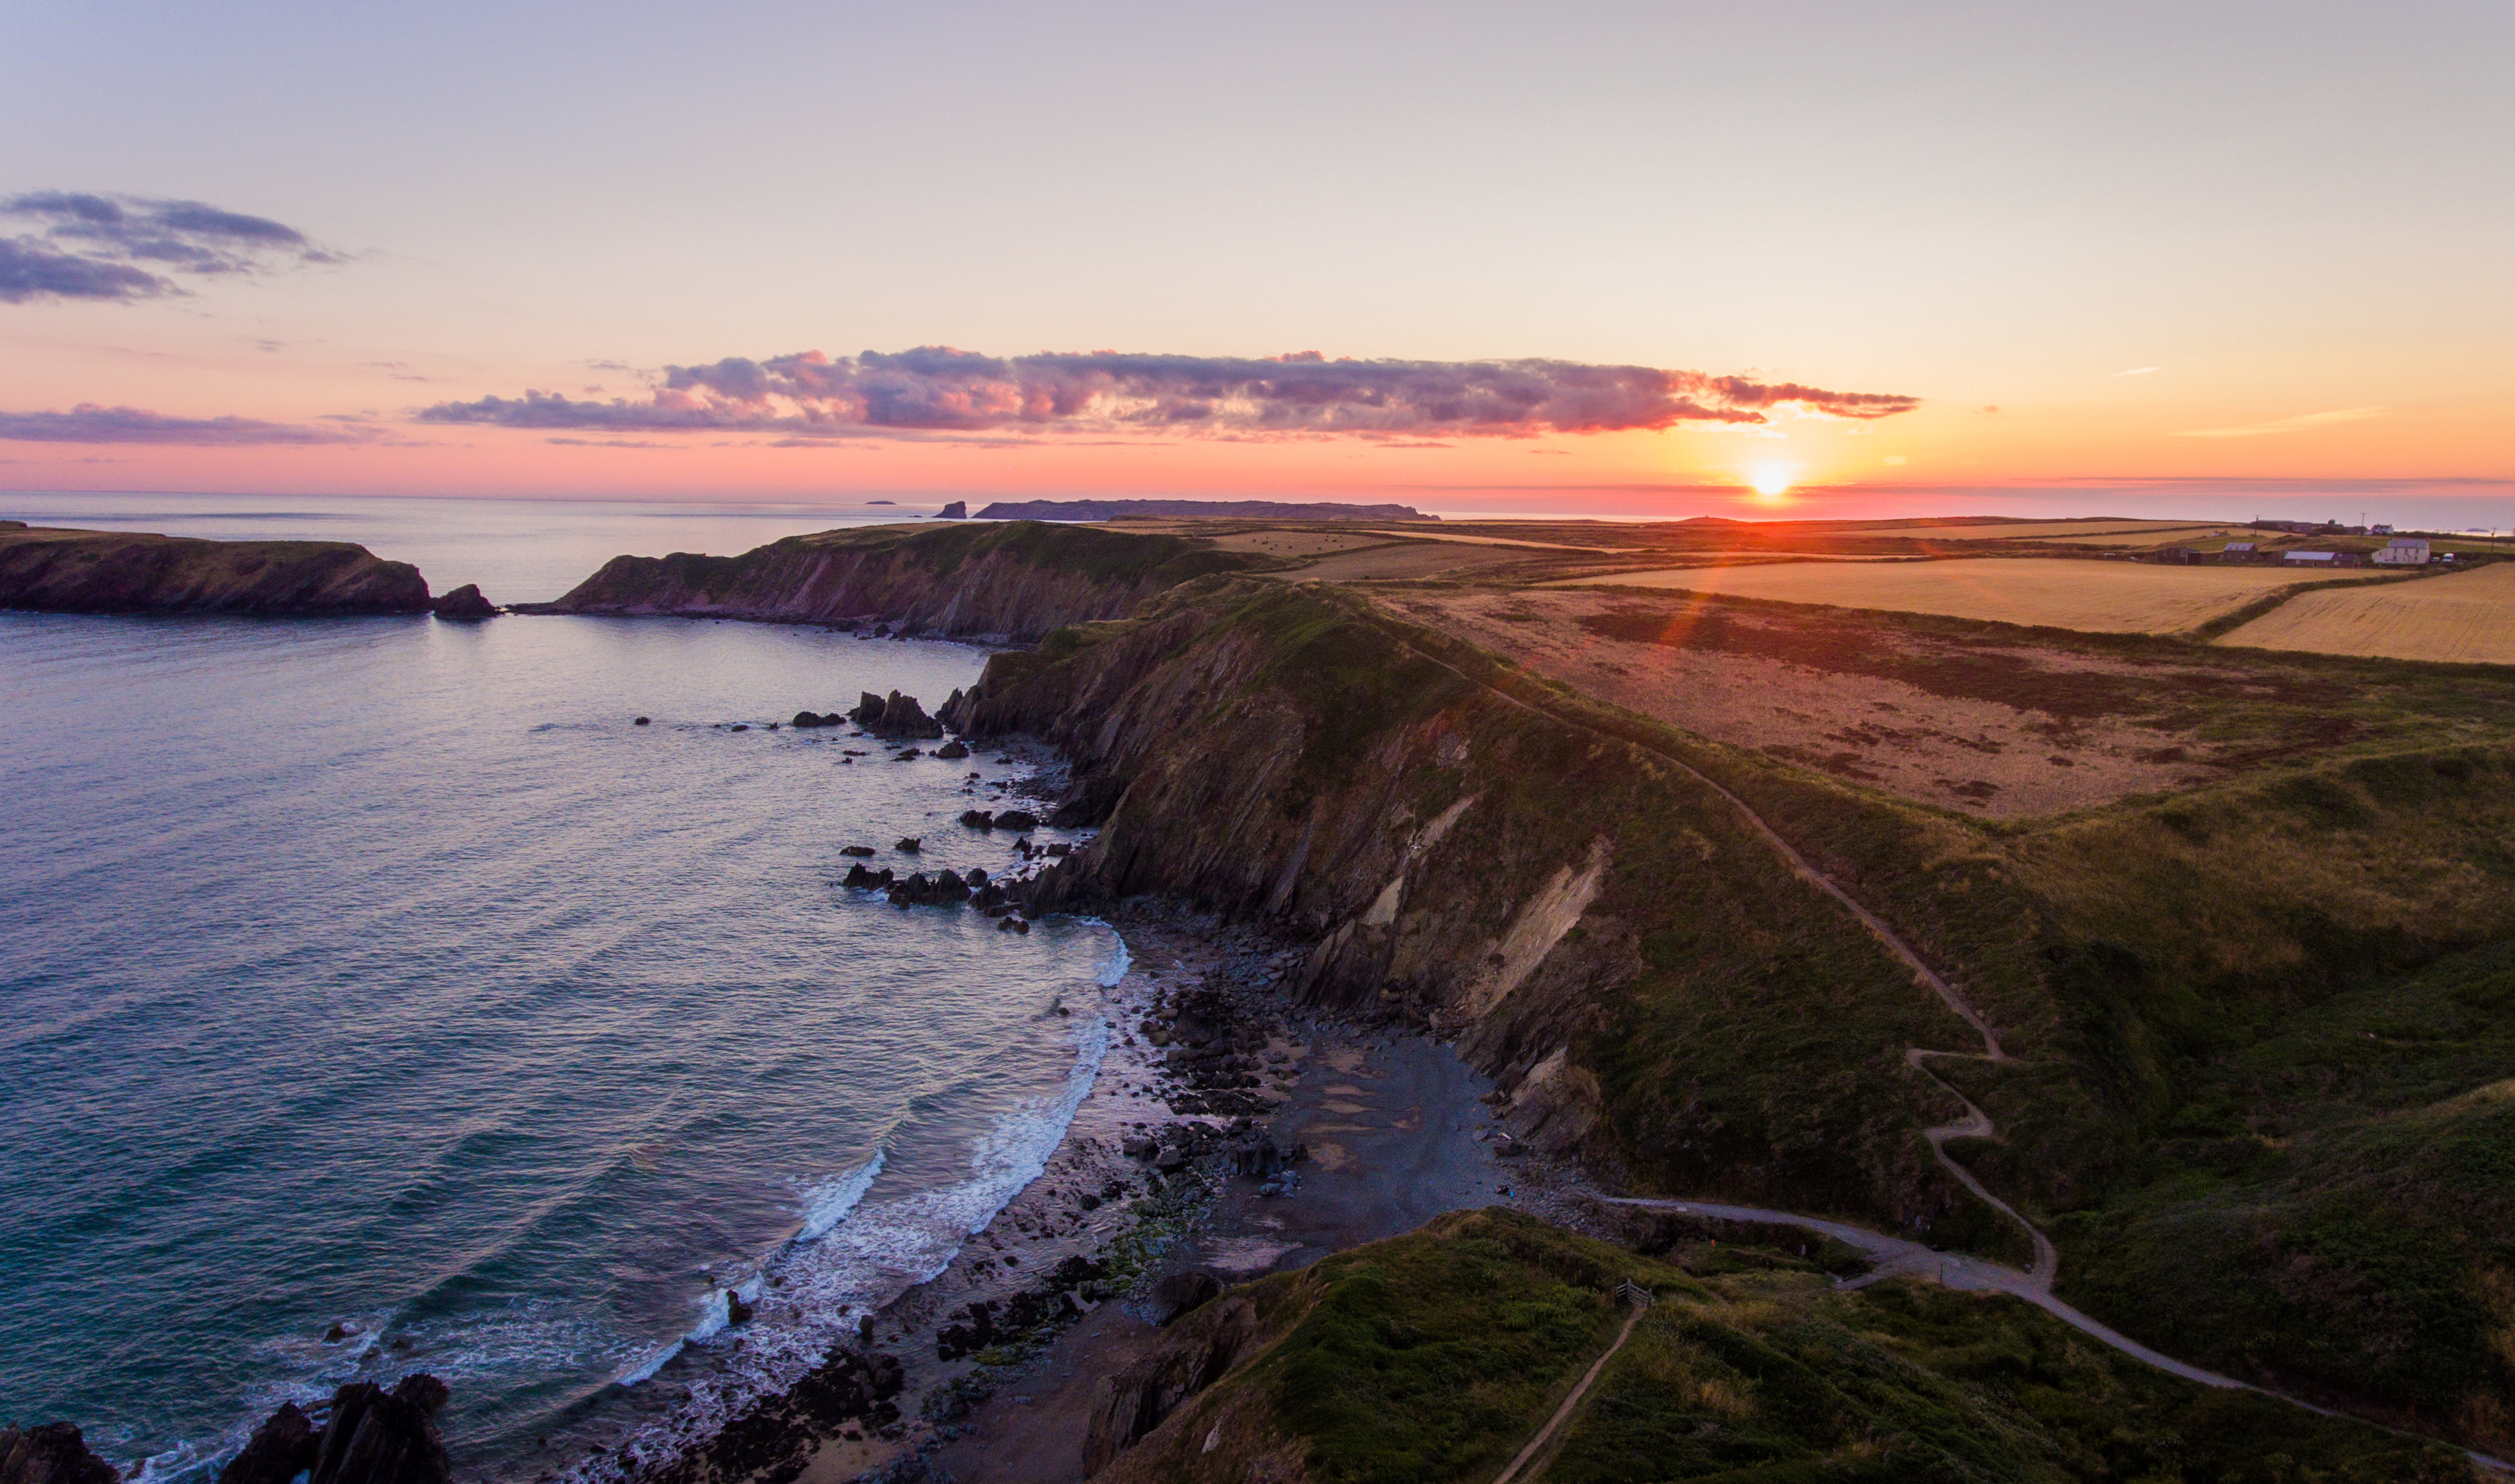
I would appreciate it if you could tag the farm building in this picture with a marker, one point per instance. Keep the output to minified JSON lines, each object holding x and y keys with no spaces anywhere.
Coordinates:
{"x":2403,"y":552}
{"x":2322,"y":558}
{"x":2177,"y":556}
{"x":2238,"y":551}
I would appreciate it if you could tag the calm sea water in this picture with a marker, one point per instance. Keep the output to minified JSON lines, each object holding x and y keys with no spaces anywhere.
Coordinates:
{"x":380,"y":973}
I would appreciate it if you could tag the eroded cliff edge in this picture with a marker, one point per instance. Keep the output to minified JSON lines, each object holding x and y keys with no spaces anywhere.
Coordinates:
{"x":1016,"y":581}
{"x":61,"y":570}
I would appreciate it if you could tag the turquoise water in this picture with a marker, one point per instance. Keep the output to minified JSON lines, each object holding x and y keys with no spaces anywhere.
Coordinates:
{"x":379,"y":973}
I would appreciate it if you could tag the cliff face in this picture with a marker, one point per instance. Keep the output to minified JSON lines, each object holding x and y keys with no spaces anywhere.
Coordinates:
{"x":1016,"y":581}
{"x":1650,"y":984}
{"x":72,"y":571}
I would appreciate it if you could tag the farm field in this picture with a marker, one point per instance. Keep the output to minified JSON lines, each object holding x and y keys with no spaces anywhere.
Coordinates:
{"x":2467,"y":618}
{"x":2100,"y":597}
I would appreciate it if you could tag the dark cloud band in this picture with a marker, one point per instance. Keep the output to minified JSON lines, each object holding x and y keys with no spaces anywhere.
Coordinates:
{"x":936,"y":389}
{"x":89,"y":246}
{"x":88,"y":422}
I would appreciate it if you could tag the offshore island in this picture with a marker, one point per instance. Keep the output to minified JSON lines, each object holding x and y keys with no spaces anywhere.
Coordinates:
{"x":1912,"y":1000}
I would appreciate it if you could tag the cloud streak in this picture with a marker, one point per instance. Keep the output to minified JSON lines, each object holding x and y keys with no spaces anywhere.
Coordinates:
{"x":2297,"y":424}
{"x":89,"y":423}
{"x":936,"y":389}
{"x":115,"y":247}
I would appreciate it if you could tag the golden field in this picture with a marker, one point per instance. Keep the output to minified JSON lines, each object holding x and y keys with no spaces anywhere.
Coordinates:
{"x":2102,"y":597}
{"x":2466,"y":618}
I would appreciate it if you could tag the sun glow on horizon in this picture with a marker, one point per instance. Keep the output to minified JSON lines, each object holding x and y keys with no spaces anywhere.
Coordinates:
{"x":1771,"y":482}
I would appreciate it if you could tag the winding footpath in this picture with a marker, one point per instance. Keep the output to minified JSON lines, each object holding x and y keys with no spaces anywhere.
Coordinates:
{"x":1893,"y":1256}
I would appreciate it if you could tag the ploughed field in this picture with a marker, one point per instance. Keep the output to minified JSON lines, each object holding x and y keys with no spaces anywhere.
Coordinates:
{"x":2101,"y":597}
{"x":2466,"y":618}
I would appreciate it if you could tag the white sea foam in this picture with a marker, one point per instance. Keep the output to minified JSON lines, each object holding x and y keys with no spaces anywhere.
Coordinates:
{"x":865,"y":1254}
{"x":827,"y":1204}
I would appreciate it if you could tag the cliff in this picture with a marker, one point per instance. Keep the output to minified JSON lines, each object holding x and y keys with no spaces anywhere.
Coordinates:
{"x":74,"y":571}
{"x":1651,"y":984}
{"x":1016,"y":581}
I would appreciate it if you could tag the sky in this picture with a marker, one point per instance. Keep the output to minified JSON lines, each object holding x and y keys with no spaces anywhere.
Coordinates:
{"x":1624,"y":258}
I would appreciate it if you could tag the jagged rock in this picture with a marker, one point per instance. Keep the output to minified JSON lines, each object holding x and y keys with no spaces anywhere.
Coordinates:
{"x":282,"y":1448}
{"x":372,"y":1436}
{"x":868,"y":709}
{"x":978,"y":819}
{"x":941,"y":889}
{"x":52,"y":1453}
{"x":464,"y":604}
{"x":1127,"y":1406}
{"x":988,"y":895}
{"x":899,"y":715}
{"x":907,"y":845}
{"x":858,"y":876}
{"x":974,"y":875}
{"x":954,"y":749}
{"x":1011,"y":924}
{"x":958,"y":510}
{"x":736,"y":1311}
{"x":1016,"y":819}
{"x":1138,"y":1146}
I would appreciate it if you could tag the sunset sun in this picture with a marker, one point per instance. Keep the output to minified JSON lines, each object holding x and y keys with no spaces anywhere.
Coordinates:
{"x":1771,"y":482}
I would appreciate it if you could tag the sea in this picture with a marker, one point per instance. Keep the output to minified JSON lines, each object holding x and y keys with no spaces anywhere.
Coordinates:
{"x":376,"y":996}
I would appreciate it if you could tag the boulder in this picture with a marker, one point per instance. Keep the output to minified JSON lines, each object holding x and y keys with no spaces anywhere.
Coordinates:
{"x":855,"y":850}
{"x":736,"y":1311}
{"x":954,"y":749}
{"x":464,"y":604}
{"x":978,"y":819}
{"x":1016,"y":819}
{"x":641,"y":721}
{"x":974,"y":875}
{"x":809,"y":719}
{"x":52,"y":1453}
{"x":907,"y":845}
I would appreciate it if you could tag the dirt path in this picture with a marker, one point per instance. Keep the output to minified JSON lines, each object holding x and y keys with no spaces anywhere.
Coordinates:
{"x":1563,"y":1414}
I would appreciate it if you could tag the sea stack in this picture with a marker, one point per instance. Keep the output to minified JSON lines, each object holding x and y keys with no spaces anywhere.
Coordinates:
{"x":465,"y":605}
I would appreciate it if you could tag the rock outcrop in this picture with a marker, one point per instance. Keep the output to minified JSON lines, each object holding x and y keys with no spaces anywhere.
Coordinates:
{"x":958,"y":510}
{"x":52,"y":1453}
{"x":1018,"y":580}
{"x":369,"y":1436}
{"x":895,"y":715}
{"x":73,"y":571}
{"x":466,"y":604}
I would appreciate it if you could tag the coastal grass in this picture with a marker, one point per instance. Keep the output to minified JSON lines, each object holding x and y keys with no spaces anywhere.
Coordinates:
{"x":1437,"y":1356}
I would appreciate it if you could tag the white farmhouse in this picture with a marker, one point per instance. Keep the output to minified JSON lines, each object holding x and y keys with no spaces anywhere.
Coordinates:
{"x":2403,"y":552}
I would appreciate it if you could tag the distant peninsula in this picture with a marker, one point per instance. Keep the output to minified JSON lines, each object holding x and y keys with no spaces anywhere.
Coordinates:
{"x":62,"y":570}
{"x":1193,"y":510}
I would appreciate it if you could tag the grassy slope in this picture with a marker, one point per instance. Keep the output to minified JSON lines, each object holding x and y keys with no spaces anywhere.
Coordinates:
{"x":1435,"y":1356}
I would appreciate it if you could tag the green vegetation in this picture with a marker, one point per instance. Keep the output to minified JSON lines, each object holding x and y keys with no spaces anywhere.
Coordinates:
{"x":1438,"y":1355}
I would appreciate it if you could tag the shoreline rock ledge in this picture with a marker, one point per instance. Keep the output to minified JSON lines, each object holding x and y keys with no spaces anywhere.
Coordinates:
{"x":52,"y":1453}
